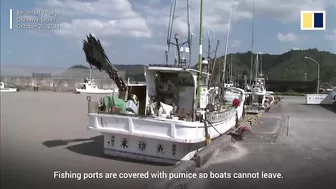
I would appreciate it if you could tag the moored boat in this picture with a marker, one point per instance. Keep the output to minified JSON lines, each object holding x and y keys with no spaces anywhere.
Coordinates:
{"x":167,"y":133}
{"x":259,"y":97}
{"x":170,"y":117}
{"x":4,"y":89}
{"x":89,"y":87}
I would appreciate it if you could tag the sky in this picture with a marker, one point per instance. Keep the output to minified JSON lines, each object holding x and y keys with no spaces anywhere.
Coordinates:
{"x":135,"y":31}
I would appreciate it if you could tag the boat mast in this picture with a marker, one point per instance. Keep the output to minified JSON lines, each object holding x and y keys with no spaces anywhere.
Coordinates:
{"x":170,"y":28}
{"x":213,"y":66}
{"x":261,"y":74}
{"x":179,"y":59}
{"x":189,"y":33}
{"x":200,"y":55}
{"x":226,"y":47}
{"x":90,"y":73}
{"x":231,"y":77}
{"x":256,"y":68}
{"x":252,"y":44}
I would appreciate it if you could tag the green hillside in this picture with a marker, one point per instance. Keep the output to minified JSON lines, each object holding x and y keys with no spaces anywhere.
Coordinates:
{"x":288,"y":66}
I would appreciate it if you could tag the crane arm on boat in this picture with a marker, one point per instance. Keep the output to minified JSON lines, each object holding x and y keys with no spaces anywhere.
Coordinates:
{"x":95,"y":56}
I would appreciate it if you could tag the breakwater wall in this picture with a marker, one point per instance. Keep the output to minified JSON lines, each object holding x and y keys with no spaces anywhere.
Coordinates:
{"x":52,"y":84}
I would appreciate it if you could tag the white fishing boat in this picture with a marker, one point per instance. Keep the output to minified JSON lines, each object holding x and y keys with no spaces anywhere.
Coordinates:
{"x":236,"y":93}
{"x":167,"y":119}
{"x":89,"y":87}
{"x":230,"y":91}
{"x":230,"y":94}
{"x":167,"y":133}
{"x":260,"y":98}
{"x":3,"y":89}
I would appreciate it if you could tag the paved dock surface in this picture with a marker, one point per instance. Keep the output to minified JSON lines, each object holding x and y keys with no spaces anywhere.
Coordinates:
{"x":43,"y":132}
{"x":296,"y":140}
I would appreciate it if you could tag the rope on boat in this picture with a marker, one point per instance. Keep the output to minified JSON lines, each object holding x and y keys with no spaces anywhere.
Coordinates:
{"x":211,"y":126}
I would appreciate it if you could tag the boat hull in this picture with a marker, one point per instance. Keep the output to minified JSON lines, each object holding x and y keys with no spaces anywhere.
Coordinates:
{"x":99,"y":91}
{"x":150,"y":150}
{"x":166,"y":141}
{"x":8,"y":90}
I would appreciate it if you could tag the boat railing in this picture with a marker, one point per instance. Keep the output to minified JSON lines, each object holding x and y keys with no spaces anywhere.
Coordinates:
{"x":214,"y":117}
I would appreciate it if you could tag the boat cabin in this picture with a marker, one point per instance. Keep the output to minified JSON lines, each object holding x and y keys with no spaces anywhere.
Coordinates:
{"x":88,"y":84}
{"x":175,"y":87}
{"x":259,"y":85}
{"x":2,"y":85}
{"x":170,"y":92}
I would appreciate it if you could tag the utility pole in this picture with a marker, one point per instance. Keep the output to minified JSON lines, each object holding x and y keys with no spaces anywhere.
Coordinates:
{"x":305,"y":76}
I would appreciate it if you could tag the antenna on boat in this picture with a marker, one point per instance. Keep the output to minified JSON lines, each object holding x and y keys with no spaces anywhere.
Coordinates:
{"x":189,"y":34}
{"x":170,"y":27}
{"x":222,"y":86}
{"x":252,"y":44}
{"x":209,"y":37}
{"x":213,"y":64}
{"x":227,"y":46}
{"x":256,"y":67}
{"x":231,"y":68}
{"x":261,"y":74}
{"x":179,"y":46}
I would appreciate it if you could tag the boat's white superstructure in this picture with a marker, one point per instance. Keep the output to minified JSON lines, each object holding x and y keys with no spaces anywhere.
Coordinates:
{"x":89,"y":87}
{"x":259,"y":93}
{"x":7,"y":90}
{"x":229,"y":84}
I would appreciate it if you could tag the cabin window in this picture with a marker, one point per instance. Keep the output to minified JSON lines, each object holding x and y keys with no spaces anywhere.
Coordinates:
{"x":175,"y":89}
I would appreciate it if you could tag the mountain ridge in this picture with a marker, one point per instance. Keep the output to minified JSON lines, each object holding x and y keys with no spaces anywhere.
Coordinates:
{"x":290,"y":65}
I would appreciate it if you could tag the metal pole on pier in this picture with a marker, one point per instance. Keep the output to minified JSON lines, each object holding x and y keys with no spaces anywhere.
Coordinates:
{"x":318,"y":73}
{"x":200,"y":56}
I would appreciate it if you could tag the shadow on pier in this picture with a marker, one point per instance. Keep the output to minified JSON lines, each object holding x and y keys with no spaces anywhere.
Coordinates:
{"x":92,"y":147}
{"x":330,"y":107}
